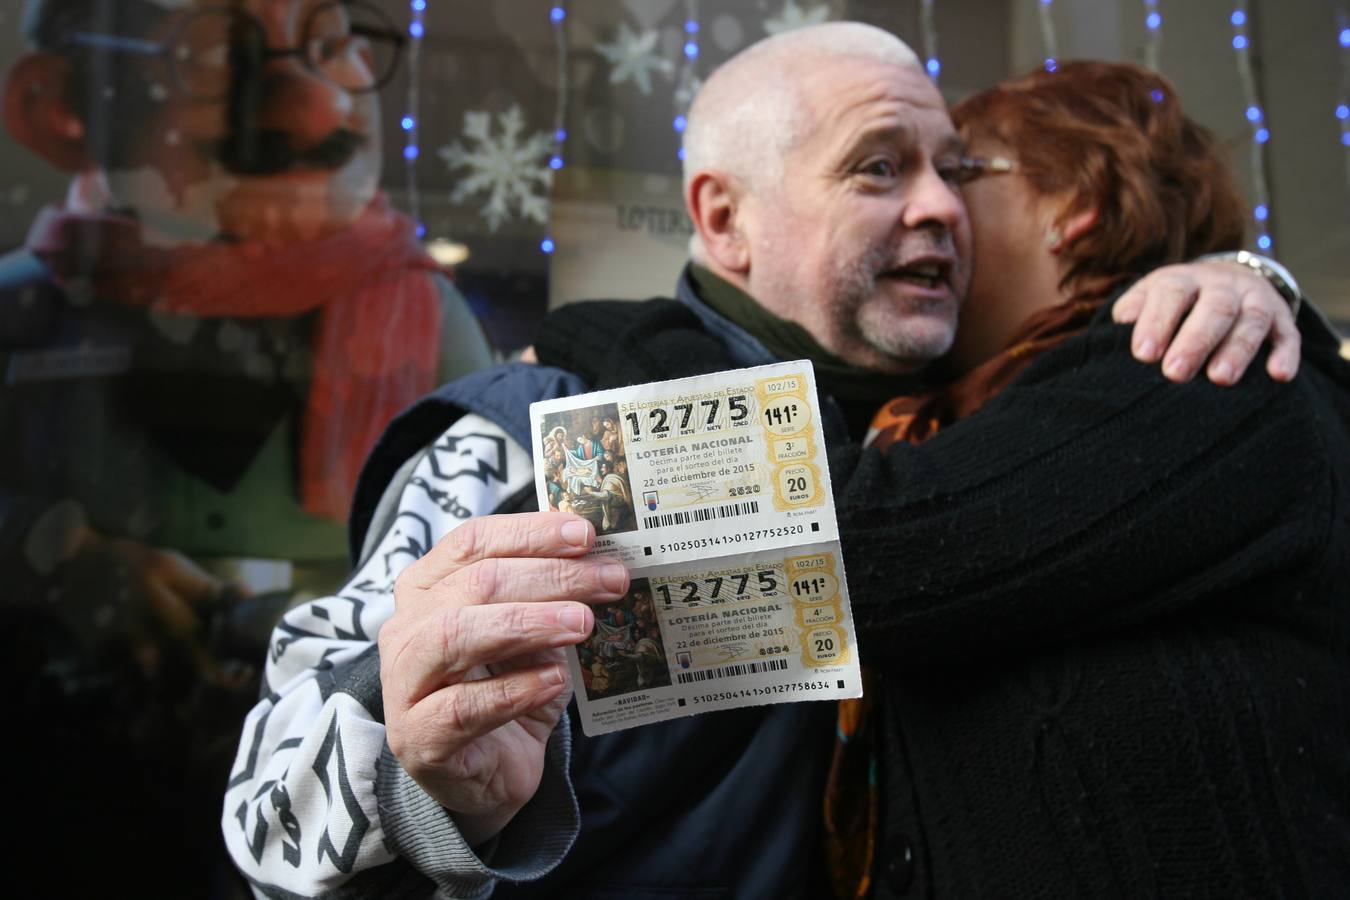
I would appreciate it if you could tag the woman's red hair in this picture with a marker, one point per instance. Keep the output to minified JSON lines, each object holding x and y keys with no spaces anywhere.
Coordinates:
{"x":1113,"y":136}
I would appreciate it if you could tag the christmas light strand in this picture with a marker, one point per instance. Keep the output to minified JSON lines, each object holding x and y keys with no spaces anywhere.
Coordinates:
{"x":1048,"y":35}
{"x":1240,"y":20}
{"x":416,"y":31}
{"x":557,"y":16}
{"x":1342,"y":110}
{"x":928,"y":25}
{"x":1153,"y":22}
{"x":686,"y":79}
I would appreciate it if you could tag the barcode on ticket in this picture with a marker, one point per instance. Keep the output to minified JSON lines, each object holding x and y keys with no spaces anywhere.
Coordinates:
{"x":707,"y":514}
{"x":769,"y":665}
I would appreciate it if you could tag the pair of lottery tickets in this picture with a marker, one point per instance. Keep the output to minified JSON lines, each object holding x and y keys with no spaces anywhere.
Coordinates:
{"x":715,"y":492}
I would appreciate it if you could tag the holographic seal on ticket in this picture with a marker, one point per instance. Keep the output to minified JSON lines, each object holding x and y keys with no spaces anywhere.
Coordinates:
{"x":715,"y":492}
{"x":725,"y":463}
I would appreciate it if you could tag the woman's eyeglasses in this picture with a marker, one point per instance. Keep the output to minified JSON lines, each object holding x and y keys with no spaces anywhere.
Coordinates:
{"x":973,"y":167}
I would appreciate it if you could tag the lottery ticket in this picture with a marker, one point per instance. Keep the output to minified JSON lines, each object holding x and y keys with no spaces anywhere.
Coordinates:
{"x":726,"y":463}
{"x":738,"y":595}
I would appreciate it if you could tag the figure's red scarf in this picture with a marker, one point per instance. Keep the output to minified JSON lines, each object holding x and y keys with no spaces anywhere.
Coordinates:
{"x":379,"y":315}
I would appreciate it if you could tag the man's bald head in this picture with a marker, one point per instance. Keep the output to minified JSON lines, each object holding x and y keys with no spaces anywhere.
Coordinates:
{"x":748,"y":114}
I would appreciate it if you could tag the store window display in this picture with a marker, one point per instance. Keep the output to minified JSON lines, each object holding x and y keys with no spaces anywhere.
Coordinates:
{"x":199,"y":344}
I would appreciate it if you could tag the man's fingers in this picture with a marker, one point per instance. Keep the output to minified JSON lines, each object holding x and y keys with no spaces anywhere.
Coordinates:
{"x":1208,"y":326}
{"x":490,"y":610}
{"x":1238,"y":349}
{"x":1286,"y":347}
{"x":1235,"y":313}
{"x":1126,"y":309}
{"x":1285,"y":357}
{"x":517,"y":535}
{"x":504,"y":580}
{"x":1166,"y":302}
{"x":449,"y":646}
{"x":431,"y":734}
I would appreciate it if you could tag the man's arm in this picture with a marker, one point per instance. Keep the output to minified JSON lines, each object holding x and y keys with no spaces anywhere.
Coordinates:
{"x":1089,"y":496}
{"x":1219,"y":308}
{"x":319,"y":804}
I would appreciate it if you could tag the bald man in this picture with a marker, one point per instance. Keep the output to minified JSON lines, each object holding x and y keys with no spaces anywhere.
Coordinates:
{"x":414,"y":730}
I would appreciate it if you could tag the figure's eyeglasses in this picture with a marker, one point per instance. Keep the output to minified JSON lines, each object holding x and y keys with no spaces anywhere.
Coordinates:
{"x":973,"y":167}
{"x":350,"y":43}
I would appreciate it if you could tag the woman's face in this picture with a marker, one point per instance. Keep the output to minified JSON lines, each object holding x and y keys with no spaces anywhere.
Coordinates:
{"x":1009,"y":223}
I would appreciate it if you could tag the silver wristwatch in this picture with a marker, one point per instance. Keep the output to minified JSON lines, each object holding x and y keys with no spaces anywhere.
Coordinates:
{"x":1278,"y":276}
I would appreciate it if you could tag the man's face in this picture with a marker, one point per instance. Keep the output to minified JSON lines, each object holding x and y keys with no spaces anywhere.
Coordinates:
{"x":865,"y":242}
{"x":287,"y":154}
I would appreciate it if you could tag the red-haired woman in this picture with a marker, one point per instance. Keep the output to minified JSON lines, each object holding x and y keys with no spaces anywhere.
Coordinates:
{"x":1115,"y":612}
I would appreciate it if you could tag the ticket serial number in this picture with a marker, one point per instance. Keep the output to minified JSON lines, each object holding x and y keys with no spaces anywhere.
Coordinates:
{"x":763,"y":691}
{"x":733,"y":538}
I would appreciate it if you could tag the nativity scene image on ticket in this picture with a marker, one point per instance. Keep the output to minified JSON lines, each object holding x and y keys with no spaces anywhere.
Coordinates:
{"x":624,"y":653}
{"x":585,"y":469}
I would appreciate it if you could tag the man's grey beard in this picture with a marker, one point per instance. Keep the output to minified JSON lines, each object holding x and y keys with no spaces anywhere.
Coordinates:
{"x":854,"y":283}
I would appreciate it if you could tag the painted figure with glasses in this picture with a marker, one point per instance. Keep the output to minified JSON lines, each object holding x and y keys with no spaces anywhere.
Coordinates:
{"x":184,"y":404}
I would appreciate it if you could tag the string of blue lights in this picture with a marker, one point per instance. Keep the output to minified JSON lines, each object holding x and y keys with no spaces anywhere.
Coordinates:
{"x":1242,"y":40}
{"x":1048,"y":34}
{"x":1240,"y":20}
{"x":1343,"y":101}
{"x":557,"y":16}
{"x":1153,"y":22}
{"x":688,"y":73}
{"x":416,"y":31}
{"x":928,"y":25}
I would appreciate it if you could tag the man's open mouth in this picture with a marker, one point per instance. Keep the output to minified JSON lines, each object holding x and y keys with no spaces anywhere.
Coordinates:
{"x":927,"y":274}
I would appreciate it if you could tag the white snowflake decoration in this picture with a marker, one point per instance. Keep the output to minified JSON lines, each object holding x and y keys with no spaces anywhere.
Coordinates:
{"x":511,"y":171}
{"x":634,"y":57}
{"x":793,"y":17}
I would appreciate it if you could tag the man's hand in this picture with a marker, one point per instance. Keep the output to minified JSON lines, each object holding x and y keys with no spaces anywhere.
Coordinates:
{"x":471,"y":662}
{"x":1235,"y":311}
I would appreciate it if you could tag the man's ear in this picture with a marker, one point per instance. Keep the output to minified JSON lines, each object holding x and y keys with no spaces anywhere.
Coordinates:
{"x":38,"y":114}
{"x":1074,"y":226}
{"x":714,"y":203}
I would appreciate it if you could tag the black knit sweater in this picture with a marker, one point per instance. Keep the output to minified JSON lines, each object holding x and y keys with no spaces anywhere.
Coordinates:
{"x":1112,"y":617}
